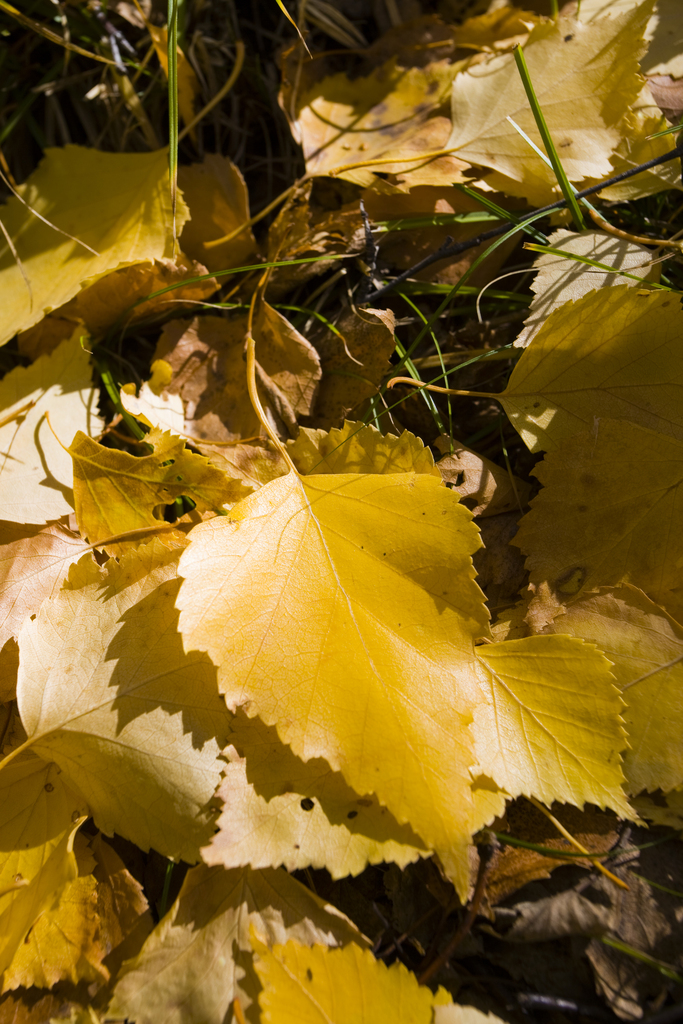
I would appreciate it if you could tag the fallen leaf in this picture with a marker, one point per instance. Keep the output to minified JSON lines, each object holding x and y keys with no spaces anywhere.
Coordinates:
{"x":111,"y":298}
{"x":40,"y":814}
{"x":596,"y":524}
{"x":199,"y":958}
{"x":354,"y":359}
{"x":318,"y":985}
{"x":664,"y":32}
{"x":115,"y":492}
{"x":187,"y":82}
{"x":35,"y":471}
{"x":206,"y":355}
{"x":642,"y":642}
{"x":254,"y":465}
{"x":359,"y":448}
{"x":560,"y":279}
{"x":116,"y":203}
{"x":500,"y":566}
{"x":584,"y":77}
{"x":278,"y":810}
{"x":284,"y":581}
{"x":662,"y":810}
{"x":164,"y":411}
{"x":484,"y":488}
{"x":550,"y":725}
{"x":106,"y":692}
{"x":613,"y":353}
{"x":636,"y":147}
{"x":33,"y":563}
{"x":216,"y":194}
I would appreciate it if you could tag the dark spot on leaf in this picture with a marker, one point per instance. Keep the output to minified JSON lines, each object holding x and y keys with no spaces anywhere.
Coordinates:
{"x":307,"y":804}
{"x":582,"y":508}
{"x":536,"y":405}
{"x":48,"y":787}
{"x":296,"y":846}
{"x":352,"y":814}
{"x":309,"y":974}
{"x":568,"y":38}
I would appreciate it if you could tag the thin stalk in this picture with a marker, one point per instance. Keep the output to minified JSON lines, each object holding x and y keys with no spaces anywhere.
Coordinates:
{"x":172,"y":52}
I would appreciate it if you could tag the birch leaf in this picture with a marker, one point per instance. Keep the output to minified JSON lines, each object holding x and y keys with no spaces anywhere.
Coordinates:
{"x":585,"y":78}
{"x":115,"y":492}
{"x":597,"y":523}
{"x":358,"y":448}
{"x":199,"y":958}
{"x":343,"y":609}
{"x":550,"y":726}
{"x":106,"y":692}
{"x":278,"y":810}
{"x":643,"y":643}
{"x":38,"y":812}
{"x":217,"y":196}
{"x":116,"y":203}
{"x":36,"y":474}
{"x":613,"y":353}
{"x":317,"y":985}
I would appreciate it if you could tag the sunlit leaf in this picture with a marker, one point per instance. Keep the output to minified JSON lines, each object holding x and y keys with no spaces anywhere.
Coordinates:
{"x":217,"y":197}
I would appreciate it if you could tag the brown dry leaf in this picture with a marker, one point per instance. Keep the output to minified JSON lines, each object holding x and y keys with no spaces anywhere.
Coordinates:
{"x":9,"y":671}
{"x":395,"y":108}
{"x":667,"y":93}
{"x":279,"y":810}
{"x":484,"y":488}
{"x":500,"y":566}
{"x":560,"y":279}
{"x":206,"y":355}
{"x":586,"y":529}
{"x":515,"y":866}
{"x":354,"y":364}
{"x":643,"y":643}
{"x":199,"y":958}
{"x":216,"y":194}
{"x":101,"y":304}
{"x":96,"y":912}
{"x":33,"y":563}
{"x":585,"y":78}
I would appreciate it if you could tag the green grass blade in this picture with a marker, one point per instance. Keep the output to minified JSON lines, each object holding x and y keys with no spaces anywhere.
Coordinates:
{"x":562,"y":179}
{"x":173,"y":110}
{"x":500,"y":213}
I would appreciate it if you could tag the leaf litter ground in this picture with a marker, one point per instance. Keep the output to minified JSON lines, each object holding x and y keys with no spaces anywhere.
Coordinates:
{"x":325,"y":700}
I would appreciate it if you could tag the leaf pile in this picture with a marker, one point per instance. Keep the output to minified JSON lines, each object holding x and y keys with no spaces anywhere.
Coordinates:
{"x":258,"y":641}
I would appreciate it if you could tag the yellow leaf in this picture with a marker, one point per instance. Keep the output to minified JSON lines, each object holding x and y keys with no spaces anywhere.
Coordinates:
{"x":550,"y":724}
{"x":317,"y":985}
{"x":560,"y":279}
{"x":216,"y":194}
{"x":252,"y":464}
{"x":664,"y":32}
{"x":115,"y":492}
{"x":95,"y":913}
{"x":343,"y":609}
{"x":36,"y":474}
{"x":117,"y":203}
{"x":614,"y":353}
{"x":106,"y":691}
{"x":33,"y":563}
{"x":585,"y":78}
{"x":199,"y":958}
{"x":39,"y":810}
{"x":163,"y":410}
{"x":643,"y":643}
{"x":357,"y":448}
{"x":637,"y":148}
{"x":318,"y":822}
{"x":610,"y":511}
{"x":668,"y":812}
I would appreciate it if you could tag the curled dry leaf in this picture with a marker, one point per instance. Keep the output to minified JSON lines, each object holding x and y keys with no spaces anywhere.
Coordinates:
{"x":484,"y":488}
{"x":279,"y":810}
{"x":216,"y":194}
{"x":206,"y":355}
{"x":561,"y":279}
{"x":118,"y":204}
{"x":106,"y":692}
{"x":36,"y":474}
{"x":199,"y":958}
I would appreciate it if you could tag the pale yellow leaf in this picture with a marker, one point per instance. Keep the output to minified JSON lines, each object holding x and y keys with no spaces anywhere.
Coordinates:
{"x":279,"y":810}
{"x":584,"y":77}
{"x":613,"y":353}
{"x":643,"y":643}
{"x":119,"y":204}
{"x":36,"y":475}
{"x":164,"y":411}
{"x":33,"y":563}
{"x":199,"y":958}
{"x":560,"y":279}
{"x":39,"y":813}
{"x":610,"y":511}
{"x":549,"y":726}
{"x":317,"y":985}
{"x":106,"y":691}
{"x":664,"y":32}
{"x":342,"y":608}
{"x":358,"y":448}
